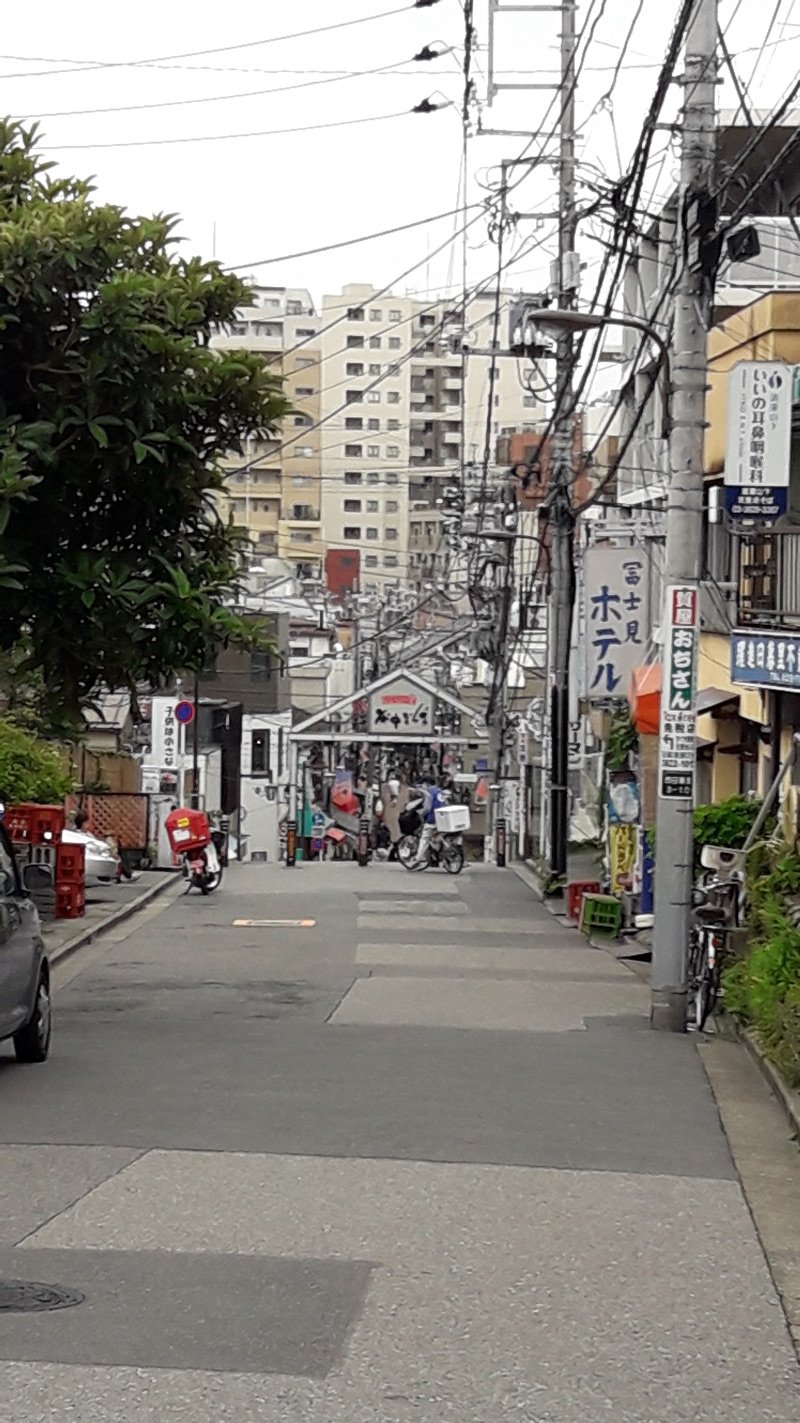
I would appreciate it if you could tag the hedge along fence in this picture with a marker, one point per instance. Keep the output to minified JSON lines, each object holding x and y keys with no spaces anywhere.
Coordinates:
{"x":31,"y":769}
{"x":763,"y":987}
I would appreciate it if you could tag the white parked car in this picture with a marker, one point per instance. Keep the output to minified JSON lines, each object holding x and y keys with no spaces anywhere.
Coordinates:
{"x":102,"y":863}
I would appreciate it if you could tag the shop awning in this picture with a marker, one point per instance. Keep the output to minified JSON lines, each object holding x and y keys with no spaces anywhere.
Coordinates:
{"x":713,"y":699}
{"x":644,"y":697}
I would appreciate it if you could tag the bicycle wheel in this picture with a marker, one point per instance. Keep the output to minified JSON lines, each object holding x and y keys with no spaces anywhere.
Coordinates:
{"x":453,"y":859}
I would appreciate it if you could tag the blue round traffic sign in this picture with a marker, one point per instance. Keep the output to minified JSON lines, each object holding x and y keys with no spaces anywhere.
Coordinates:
{"x":184,"y":713}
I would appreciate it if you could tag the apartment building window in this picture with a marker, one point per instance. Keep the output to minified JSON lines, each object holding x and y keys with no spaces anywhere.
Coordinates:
{"x":301,"y":422}
{"x":354,"y":452}
{"x":351,"y":506}
{"x":373,"y":506}
{"x":353,"y":397}
{"x":375,"y":314}
{"x":304,"y":362}
{"x":294,"y":308}
{"x":390,"y":560}
{"x":238,"y":328}
{"x":371,"y":560}
{"x":353,"y":422}
{"x":372,"y":532}
{"x":373,"y":452}
{"x":374,"y":477}
{"x":394,"y":343}
{"x":353,"y":476}
{"x":373,"y":424}
{"x":393,"y":370}
{"x":392,"y":506}
{"x":374,"y":397}
{"x":304,"y":452}
{"x":300,"y":479}
{"x":352,"y":531}
{"x":259,"y":753}
{"x":355,"y":343}
{"x":354,"y":368}
{"x":392,"y":452}
{"x":260,"y":661}
{"x":302,"y":333}
{"x":427,"y":319}
{"x":391,"y":535}
{"x":393,"y":424}
{"x":392,"y":477}
{"x":355,"y":313}
{"x":529,"y":401}
{"x":393,"y":397}
{"x":375,"y":343}
{"x":374,"y":369}
{"x":300,"y":536}
{"x":395,"y":315}
{"x":303,"y":391}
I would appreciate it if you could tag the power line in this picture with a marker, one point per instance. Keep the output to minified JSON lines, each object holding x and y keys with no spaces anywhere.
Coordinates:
{"x":82,"y":66}
{"x":220,"y":137}
{"x":221,"y":98}
{"x":351,"y":241}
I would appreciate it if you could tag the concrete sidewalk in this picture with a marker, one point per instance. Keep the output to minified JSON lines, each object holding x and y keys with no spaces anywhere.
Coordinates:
{"x":106,"y":906}
{"x":347,"y":1145}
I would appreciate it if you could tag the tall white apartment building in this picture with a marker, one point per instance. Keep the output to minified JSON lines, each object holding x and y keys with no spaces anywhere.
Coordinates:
{"x":404,"y":405}
{"x":274,"y":488}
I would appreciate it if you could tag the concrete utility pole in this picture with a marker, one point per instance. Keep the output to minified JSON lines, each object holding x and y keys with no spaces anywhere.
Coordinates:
{"x":683,"y":560}
{"x":562,"y":581}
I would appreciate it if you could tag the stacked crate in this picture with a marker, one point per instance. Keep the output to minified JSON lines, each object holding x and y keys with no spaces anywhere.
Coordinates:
{"x":70,"y":881}
{"x":35,"y":831}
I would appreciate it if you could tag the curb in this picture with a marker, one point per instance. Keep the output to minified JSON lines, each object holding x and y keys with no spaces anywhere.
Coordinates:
{"x":788,"y":1099}
{"x":94,"y":931}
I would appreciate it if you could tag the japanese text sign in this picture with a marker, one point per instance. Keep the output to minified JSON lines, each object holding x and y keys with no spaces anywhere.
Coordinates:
{"x":166,"y":734}
{"x":401,"y":706}
{"x":678,"y":739}
{"x":761,"y":659}
{"x":617,"y":619}
{"x":758,"y":440}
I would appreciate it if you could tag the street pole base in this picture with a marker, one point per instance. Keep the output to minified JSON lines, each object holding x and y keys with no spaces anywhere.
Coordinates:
{"x":668,"y":1010}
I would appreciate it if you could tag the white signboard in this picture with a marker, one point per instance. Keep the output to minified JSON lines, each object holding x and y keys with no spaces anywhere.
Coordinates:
{"x":401,"y":706}
{"x":678,"y":740}
{"x":166,"y":735}
{"x":759,"y":435}
{"x":617,"y":618}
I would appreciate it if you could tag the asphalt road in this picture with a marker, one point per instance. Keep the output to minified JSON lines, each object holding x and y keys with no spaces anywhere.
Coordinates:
{"x":418,"y":1157}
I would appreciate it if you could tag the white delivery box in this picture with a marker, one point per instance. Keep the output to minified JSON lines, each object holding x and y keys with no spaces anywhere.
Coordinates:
{"x":452,"y":818}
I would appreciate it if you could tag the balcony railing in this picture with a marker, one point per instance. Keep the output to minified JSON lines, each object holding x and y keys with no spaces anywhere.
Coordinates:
{"x":769,"y":579}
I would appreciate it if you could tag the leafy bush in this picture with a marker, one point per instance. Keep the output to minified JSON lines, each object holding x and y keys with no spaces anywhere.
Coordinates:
{"x":763,"y":987}
{"x":725,"y":824}
{"x":30,"y":770}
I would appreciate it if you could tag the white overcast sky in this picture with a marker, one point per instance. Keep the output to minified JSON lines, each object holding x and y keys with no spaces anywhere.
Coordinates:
{"x":261,"y":197}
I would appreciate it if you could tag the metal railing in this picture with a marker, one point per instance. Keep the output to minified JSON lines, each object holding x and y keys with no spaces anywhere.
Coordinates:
{"x":769,"y":579}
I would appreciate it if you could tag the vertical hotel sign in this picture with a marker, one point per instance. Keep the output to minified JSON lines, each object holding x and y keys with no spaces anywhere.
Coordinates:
{"x":678,"y":751}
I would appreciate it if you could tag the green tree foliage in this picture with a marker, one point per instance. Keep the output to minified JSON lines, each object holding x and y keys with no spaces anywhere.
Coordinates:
{"x":30,"y":770}
{"x":115,"y":565}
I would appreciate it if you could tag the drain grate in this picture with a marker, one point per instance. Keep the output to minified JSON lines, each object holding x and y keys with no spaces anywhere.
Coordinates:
{"x":30,"y":1297}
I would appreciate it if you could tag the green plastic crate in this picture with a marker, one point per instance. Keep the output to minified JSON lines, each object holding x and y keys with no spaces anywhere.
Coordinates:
{"x":601,"y":914}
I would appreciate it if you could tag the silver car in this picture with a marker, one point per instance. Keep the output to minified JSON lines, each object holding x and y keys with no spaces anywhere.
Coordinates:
{"x":24,"y":969}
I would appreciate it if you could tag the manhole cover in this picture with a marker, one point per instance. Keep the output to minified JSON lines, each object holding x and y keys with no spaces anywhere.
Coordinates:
{"x":29,"y":1297}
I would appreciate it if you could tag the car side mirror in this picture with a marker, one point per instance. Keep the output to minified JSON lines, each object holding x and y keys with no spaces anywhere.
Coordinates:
{"x":35,"y":878}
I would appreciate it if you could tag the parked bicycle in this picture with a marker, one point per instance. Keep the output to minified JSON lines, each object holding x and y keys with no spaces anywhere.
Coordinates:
{"x":716,"y":912}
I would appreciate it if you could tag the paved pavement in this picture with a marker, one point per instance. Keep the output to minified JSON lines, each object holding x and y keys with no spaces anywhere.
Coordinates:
{"x":420,"y":1159}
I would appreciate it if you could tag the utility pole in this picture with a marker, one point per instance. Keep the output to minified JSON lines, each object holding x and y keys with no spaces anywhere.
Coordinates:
{"x":683,"y":558}
{"x":562,"y":522}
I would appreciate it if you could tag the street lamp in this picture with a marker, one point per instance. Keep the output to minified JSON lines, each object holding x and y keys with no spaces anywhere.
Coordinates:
{"x":579,"y":321}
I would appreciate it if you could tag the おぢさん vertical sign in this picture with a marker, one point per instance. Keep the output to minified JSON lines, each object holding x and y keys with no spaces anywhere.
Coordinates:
{"x":617,"y":618}
{"x":401,"y":706}
{"x":678,"y":748}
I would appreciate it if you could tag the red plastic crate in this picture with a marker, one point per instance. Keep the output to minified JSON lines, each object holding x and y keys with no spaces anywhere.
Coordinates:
{"x":70,"y":901}
{"x":187,"y":830}
{"x":34,"y":824}
{"x":576,"y":889}
{"x":70,"y":864}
